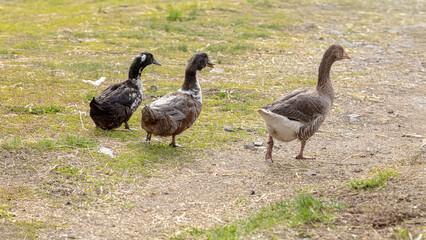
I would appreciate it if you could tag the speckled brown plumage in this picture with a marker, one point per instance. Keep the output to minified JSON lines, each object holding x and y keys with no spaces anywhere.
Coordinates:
{"x":177,"y":111}
{"x":300,"y":113}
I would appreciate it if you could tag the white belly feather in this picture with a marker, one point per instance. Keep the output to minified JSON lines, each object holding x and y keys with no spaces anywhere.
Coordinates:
{"x":280,"y":127}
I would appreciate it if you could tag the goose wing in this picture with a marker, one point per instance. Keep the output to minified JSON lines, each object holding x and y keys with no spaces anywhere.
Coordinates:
{"x":299,"y":105}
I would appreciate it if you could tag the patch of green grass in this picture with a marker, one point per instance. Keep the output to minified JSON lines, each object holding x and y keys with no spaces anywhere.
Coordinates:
{"x":32,"y":45}
{"x":84,"y":67}
{"x":8,"y":52}
{"x":30,"y":229}
{"x":12,"y":144}
{"x":215,"y":48}
{"x":404,"y":234}
{"x":43,"y":144}
{"x":253,"y":35}
{"x":222,"y":95}
{"x":71,"y":141}
{"x":189,"y":233}
{"x":10,"y":193}
{"x":182,"y":48}
{"x":4,"y":213}
{"x":90,"y":94}
{"x":175,"y":15}
{"x":123,"y":135}
{"x":37,"y":110}
{"x":70,"y":171}
{"x":142,"y":157}
{"x":378,"y":180}
{"x":302,"y":209}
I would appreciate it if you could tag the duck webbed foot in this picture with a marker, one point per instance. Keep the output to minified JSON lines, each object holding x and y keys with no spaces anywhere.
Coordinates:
{"x":300,"y":156}
{"x":173,"y":143}
{"x":269,"y":149}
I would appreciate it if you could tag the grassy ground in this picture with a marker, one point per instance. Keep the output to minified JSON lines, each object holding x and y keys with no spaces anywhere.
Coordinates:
{"x":55,"y":183}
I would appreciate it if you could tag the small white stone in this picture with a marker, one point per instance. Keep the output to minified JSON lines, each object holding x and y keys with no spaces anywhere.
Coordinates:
{"x":217,"y":70}
{"x":107,"y":151}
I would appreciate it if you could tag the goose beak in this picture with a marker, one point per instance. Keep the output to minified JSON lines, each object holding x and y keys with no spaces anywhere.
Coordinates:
{"x":346,"y":56}
{"x":210,"y":64}
{"x":156,"y":63}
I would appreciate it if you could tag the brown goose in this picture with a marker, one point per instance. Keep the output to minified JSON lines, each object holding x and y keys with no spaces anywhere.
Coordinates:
{"x":300,"y":113}
{"x":177,"y":111}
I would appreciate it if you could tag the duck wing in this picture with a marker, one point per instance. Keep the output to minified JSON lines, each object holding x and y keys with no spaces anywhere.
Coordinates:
{"x":175,"y":105}
{"x":111,"y":90}
{"x":299,"y":105}
{"x":124,"y":93}
{"x":126,"y":97}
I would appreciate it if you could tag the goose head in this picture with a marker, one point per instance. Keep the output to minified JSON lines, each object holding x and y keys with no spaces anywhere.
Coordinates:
{"x":336,"y":53}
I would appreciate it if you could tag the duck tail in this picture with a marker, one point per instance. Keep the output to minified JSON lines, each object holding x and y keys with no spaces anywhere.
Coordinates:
{"x":96,"y":106}
{"x":148,"y":115}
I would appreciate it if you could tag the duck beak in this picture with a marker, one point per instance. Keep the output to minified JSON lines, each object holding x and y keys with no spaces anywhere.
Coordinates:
{"x":210,"y":64}
{"x":346,"y":56}
{"x":156,"y":63}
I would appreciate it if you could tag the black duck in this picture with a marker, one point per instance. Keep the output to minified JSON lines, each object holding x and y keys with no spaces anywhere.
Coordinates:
{"x":116,"y":104}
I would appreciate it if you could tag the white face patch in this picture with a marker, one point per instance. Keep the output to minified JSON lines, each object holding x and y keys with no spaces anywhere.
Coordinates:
{"x":143,"y":57}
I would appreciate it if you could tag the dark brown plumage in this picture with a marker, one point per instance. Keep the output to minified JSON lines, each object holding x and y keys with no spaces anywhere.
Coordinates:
{"x":300,"y":113}
{"x":177,"y":111}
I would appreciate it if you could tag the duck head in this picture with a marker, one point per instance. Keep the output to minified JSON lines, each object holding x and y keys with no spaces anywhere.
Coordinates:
{"x":336,"y":52}
{"x":144,"y":59}
{"x":199,"y":61}
{"x":140,"y":62}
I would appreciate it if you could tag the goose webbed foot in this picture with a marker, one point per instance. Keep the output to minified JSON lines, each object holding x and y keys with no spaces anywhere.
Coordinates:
{"x":269,"y":149}
{"x":302,"y":147}
{"x":148,"y":137}
{"x":126,"y":125}
{"x":303,"y":157}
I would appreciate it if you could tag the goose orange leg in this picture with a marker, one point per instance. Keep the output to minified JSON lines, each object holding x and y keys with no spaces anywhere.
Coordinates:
{"x":269,"y":149}
{"x":302,"y":147}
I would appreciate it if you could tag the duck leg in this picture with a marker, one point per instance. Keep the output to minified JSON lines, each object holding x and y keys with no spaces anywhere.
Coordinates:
{"x":173,"y":143}
{"x":148,"y":137}
{"x":126,"y":125}
{"x":269,"y":150}
{"x":302,"y":147}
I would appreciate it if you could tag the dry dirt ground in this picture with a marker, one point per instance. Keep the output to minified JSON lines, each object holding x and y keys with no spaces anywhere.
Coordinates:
{"x":374,"y":124}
